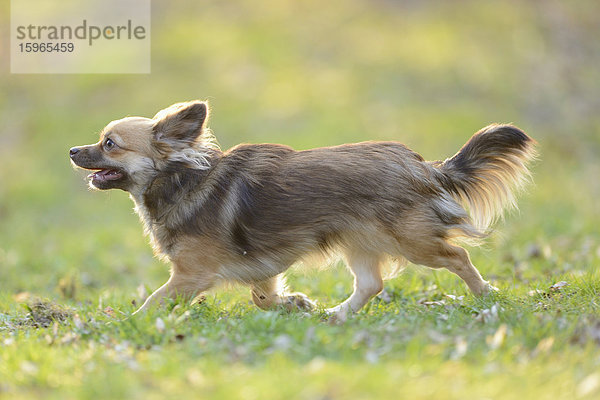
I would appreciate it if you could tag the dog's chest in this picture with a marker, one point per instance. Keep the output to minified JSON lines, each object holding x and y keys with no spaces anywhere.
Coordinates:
{"x":160,"y":237}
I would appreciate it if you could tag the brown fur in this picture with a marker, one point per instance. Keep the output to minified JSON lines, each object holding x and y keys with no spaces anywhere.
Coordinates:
{"x":249,"y":213}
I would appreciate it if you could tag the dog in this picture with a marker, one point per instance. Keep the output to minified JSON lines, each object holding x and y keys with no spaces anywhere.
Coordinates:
{"x":247,"y":214}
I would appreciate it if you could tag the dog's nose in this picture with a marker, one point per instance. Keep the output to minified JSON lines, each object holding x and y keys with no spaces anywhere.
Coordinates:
{"x":73,"y":151}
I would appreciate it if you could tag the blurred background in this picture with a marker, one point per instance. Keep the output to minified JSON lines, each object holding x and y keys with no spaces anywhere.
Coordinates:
{"x":309,"y":74}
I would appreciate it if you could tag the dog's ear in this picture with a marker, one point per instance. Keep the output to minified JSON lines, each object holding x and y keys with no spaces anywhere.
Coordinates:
{"x":181,"y":123}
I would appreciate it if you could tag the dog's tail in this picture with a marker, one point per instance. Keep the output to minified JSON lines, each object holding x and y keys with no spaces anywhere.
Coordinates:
{"x":487,"y":172}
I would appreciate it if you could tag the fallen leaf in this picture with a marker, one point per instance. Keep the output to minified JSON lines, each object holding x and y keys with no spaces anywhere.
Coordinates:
{"x":536,"y":292}
{"x":432,"y":303}
{"x":558,"y":286}
{"x":108,"y":310}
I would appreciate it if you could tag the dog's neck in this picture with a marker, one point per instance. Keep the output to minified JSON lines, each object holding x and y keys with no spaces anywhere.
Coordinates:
{"x":166,"y":202}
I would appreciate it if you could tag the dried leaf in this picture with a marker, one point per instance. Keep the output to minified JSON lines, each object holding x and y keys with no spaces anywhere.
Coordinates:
{"x":108,"y":310}
{"x":536,"y":292}
{"x":432,"y":303}
{"x":558,"y":286}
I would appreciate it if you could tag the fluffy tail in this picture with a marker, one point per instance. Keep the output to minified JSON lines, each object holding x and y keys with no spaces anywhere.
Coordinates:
{"x":487,"y":172}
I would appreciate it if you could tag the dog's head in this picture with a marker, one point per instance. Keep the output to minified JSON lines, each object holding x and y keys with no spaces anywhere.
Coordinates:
{"x":132,"y":150}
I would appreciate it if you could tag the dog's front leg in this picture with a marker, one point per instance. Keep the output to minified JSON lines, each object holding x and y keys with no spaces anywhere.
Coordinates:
{"x":367,"y":283}
{"x":186,"y":286}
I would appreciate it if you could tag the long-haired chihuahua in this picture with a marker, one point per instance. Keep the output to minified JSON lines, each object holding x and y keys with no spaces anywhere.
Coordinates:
{"x":247,"y":214}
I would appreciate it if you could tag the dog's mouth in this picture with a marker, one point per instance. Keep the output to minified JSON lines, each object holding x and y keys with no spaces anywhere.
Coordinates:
{"x":108,"y":174}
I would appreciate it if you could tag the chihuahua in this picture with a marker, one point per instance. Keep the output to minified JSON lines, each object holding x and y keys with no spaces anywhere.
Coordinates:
{"x":247,"y":214}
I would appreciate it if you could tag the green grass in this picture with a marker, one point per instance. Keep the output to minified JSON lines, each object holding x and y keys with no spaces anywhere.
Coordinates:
{"x":419,"y":342}
{"x":310,"y":74}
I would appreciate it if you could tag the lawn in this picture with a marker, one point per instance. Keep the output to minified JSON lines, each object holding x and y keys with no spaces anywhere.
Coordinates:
{"x":74,"y":263}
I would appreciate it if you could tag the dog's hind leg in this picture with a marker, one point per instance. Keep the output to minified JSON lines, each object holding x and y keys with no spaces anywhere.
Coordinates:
{"x":440,"y":254}
{"x":271,"y":293}
{"x":367,"y":282}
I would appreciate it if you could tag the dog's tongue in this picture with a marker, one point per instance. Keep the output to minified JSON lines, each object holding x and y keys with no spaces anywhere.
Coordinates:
{"x":106,"y":175}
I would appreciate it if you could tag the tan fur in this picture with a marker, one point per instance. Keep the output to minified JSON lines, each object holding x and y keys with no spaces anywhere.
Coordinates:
{"x":247,"y":214}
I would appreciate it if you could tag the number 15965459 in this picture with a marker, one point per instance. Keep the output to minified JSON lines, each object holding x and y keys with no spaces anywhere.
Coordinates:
{"x":49,"y":47}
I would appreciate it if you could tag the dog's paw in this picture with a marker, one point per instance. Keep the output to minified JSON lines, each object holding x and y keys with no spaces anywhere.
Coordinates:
{"x":298,"y":301}
{"x":337,"y":315}
{"x":488,"y":289}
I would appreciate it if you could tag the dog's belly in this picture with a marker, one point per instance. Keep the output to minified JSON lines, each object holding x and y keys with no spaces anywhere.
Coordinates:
{"x":248,"y":271}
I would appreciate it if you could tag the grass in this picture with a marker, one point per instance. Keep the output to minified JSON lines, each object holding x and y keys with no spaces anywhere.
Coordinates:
{"x":419,"y":342}
{"x":74,"y":262}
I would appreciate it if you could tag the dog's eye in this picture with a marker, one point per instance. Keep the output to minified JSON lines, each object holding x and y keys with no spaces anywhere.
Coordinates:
{"x":109,"y":144}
